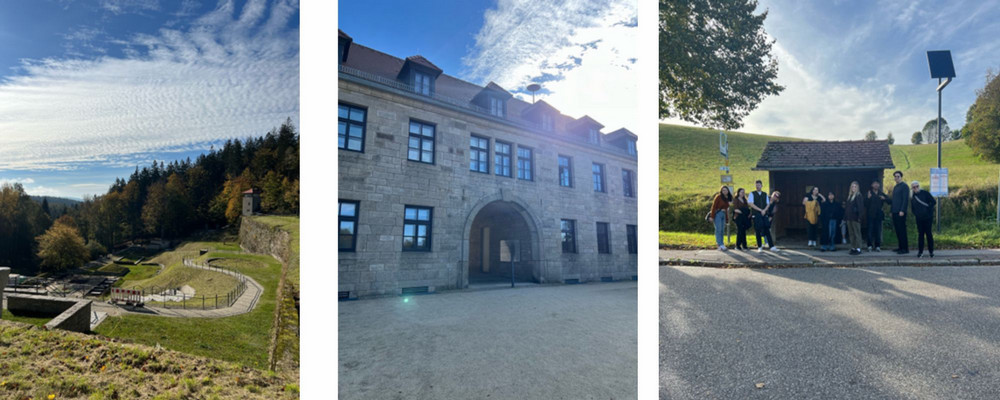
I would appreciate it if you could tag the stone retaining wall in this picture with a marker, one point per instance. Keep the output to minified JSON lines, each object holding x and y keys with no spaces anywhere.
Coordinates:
{"x":261,"y":238}
{"x":71,"y":315}
{"x":4,"y":275}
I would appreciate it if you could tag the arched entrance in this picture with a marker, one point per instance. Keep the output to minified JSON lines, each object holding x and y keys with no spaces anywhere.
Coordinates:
{"x":494,"y":223}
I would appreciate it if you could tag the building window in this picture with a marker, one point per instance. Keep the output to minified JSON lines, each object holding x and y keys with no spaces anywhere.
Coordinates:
{"x":421,"y":147}
{"x":351,"y":135}
{"x":628,"y":183}
{"x":501,"y":158}
{"x":598,"y":172}
{"x":547,"y":123}
{"x":348,"y":220}
{"x":417,"y":228}
{"x":565,"y":171}
{"x":630,"y":236}
{"x":595,"y":136}
{"x":422,"y":83}
{"x":603,"y":244}
{"x":524,"y":163}
{"x":568,"y":232}
{"x":631,"y":147}
{"x":479,"y":154}
{"x":497,"y":107}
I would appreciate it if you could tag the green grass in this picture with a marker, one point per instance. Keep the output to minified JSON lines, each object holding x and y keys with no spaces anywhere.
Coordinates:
{"x":66,"y":365}
{"x":205,"y":283}
{"x":287,"y":345}
{"x":689,"y":176}
{"x":242,"y":339}
{"x":33,"y":320}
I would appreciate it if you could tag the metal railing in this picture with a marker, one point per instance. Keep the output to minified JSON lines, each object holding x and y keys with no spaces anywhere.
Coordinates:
{"x":171,"y":297}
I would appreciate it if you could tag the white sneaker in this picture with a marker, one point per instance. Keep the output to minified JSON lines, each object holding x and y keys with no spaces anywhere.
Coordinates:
{"x":760,"y":249}
{"x":723,"y":248}
{"x":774,"y":248}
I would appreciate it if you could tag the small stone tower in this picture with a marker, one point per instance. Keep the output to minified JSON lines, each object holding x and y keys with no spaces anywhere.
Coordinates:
{"x":251,"y":202}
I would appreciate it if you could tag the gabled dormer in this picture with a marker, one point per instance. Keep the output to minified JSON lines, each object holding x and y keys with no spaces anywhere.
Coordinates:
{"x":586,"y":128}
{"x":420,"y":74}
{"x":542,"y":114}
{"x":623,"y":139}
{"x":493,"y":99}
{"x":343,"y":46}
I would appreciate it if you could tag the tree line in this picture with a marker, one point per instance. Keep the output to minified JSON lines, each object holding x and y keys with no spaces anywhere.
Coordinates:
{"x":165,"y":200}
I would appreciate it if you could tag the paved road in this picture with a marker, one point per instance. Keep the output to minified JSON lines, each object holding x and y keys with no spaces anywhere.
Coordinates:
{"x":544,"y":342}
{"x":858,"y":333}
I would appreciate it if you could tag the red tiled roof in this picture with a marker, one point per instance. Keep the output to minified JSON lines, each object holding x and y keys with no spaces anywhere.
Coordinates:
{"x":854,"y":154}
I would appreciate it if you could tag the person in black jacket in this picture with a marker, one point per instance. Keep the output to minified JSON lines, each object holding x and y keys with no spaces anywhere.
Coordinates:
{"x":830,"y":213}
{"x":923,"y":212}
{"x":900,"y":201}
{"x":873,"y":205}
{"x":741,"y":214}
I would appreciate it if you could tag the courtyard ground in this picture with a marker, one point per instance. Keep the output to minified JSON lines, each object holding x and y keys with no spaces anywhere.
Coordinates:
{"x":822,"y":332}
{"x":538,"y":342}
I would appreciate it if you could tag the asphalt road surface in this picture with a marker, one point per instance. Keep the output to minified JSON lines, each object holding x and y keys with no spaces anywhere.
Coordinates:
{"x":542,"y":342}
{"x":823,"y":333}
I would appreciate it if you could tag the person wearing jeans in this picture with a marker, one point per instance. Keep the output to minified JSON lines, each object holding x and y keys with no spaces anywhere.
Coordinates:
{"x":830,"y":214}
{"x":720,"y":214}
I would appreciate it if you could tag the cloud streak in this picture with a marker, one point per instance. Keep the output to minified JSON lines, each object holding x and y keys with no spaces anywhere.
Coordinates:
{"x":581,"y":52}
{"x":231,"y":73}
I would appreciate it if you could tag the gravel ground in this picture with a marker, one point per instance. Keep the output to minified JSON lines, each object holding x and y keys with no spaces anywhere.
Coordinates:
{"x":546,"y":342}
{"x":811,"y":333}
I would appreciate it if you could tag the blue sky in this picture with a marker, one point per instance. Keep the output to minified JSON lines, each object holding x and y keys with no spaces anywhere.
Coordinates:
{"x":583,"y":52}
{"x":853,"y":66}
{"x":90,"y":89}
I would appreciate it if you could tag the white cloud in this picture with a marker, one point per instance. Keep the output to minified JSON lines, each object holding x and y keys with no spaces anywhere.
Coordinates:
{"x":23,"y":181}
{"x":584,"y":50}
{"x":235,"y":73}
{"x":130,"y":6}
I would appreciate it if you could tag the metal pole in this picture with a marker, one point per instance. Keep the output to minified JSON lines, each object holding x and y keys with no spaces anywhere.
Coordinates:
{"x":938,"y":205}
{"x":512,"y":271}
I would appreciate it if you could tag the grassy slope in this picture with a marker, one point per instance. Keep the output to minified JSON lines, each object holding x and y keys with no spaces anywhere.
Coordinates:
{"x":689,"y":161}
{"x":243,"y":339}
{"x":287,"y":344}
{"x":38,"y":363}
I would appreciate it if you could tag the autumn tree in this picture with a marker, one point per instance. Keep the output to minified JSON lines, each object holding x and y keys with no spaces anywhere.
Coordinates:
{"x":61,"y":247}
{"x":983,"y":120}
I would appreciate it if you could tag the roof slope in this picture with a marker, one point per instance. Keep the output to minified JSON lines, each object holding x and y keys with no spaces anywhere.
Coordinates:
{"x":853,"y":154}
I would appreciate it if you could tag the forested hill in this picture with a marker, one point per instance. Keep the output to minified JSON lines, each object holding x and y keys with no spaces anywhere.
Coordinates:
{"x":164,"y":199}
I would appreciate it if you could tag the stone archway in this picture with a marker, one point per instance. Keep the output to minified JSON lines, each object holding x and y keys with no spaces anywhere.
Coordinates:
{"x":493,"y":219}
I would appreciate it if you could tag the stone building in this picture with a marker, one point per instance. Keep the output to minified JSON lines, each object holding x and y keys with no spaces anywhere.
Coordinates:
{"x":436,"y":173}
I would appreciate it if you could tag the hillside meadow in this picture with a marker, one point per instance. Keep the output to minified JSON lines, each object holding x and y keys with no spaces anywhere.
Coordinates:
{"x":689,"y":176}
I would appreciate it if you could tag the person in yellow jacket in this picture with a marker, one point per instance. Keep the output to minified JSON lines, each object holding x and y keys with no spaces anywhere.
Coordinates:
{"x":811,"y":203}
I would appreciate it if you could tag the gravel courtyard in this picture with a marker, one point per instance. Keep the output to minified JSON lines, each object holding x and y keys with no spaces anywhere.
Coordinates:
{"x":805,"y":333}
{"x":543,"y":342}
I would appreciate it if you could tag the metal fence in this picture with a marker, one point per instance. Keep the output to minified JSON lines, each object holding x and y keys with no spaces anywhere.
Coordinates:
{"x":171,"y":297}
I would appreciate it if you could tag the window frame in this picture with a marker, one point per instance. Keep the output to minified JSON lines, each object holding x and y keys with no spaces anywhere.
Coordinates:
{"x":530,"y":160}
{"x":606,"y":243}
{"x":631,"y":238}
{"x":548,"y":122}
{"x":631,"y":147}
{"x":498,"y":107}
{"x":594,"y":136}
{"x":628,"y":183}
{"x":572,"y":236}
{"x":418,"y":84}
{"x":568,"y":168}
{"x":603,"y":182}
{"x":478,"y":150}
{"x":349,"y":121}
{"x":422,"y":138}
{"x":499,"y":158}
{"x":341,"y":218}
{"x":429,"y":223}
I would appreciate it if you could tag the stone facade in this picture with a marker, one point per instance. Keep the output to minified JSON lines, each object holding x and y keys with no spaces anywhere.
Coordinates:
{"x":383,"y":182}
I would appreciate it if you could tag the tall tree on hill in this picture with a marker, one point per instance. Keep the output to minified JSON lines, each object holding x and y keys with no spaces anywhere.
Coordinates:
{"x":61,"y":247}
{"x":917,"y":138}
{"x":930,"y":131}
{"x":45,"y":206}
{"x":871,"y":136}
{"x":154,"y":211}
{"x":715,"y":61}
{"x":21,"y":220}
{"x":890,"y":139}
{"x":983,"y":120}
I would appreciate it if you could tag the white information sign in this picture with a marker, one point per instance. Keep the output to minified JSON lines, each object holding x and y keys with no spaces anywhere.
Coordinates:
{"x":939,"y":182}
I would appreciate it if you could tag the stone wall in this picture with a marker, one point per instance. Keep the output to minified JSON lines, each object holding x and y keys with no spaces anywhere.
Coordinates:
{"x":4,"y":275}
{"x":384,"y":182}
{"x":68,"y":314}
{"x":261,"y":238}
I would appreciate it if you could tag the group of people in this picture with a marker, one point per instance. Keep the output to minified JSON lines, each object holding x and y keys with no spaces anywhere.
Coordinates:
{"x":824,"y":215}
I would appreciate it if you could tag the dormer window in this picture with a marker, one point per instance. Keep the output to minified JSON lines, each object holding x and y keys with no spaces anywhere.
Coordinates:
{"x":422,"y":83}
{"x":595,"y":136}
{"x":548,"y":124}
{"x":631,"y":147}
{"x":497,"y":107}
